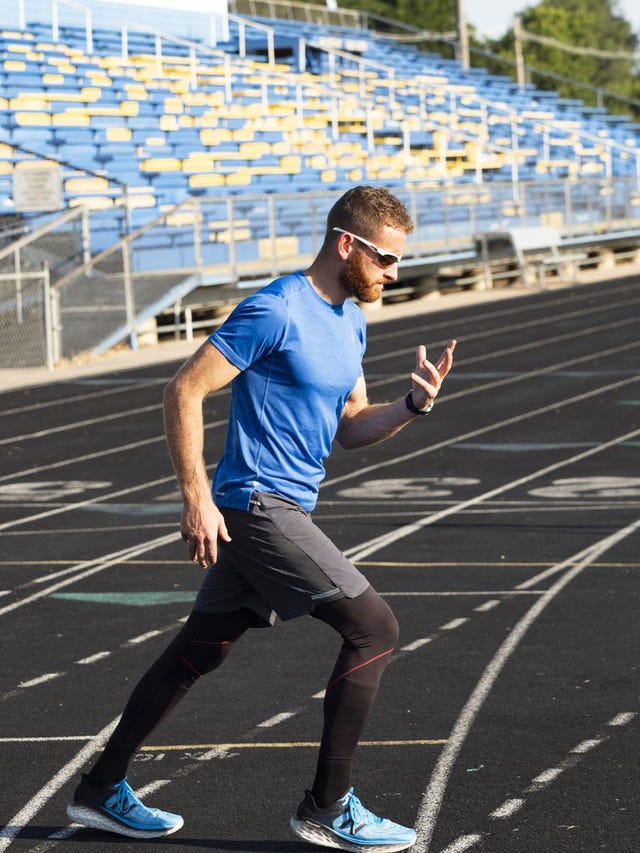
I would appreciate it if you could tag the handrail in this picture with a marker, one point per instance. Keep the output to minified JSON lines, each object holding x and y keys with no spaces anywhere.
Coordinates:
{"x":21,"y":242}
{"x":55,"y":31}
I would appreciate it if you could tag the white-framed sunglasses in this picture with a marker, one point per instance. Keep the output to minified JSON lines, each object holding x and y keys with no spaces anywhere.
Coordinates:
{"x":385,"y":259}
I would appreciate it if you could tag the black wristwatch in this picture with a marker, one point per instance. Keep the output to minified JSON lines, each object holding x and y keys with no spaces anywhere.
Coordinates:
{"x":408,"y":401}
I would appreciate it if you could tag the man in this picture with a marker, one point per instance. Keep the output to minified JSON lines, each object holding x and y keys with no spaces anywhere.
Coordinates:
{"x":293,"y":355}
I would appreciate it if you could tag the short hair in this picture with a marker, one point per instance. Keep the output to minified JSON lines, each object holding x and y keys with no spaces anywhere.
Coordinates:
{"x":367,"y":210}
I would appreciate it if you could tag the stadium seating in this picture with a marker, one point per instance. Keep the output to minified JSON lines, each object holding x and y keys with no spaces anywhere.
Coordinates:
{"x":199,"y":121}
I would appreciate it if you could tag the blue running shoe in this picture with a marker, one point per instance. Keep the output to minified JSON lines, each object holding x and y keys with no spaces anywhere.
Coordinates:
{"x":347,"y":825}
{"x":117,"y":809}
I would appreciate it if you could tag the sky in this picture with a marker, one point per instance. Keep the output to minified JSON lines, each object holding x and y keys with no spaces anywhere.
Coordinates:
{"x":495,"y":18}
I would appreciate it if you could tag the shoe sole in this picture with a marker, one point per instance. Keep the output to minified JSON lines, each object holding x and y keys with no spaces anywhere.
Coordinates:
{"x":98,"y":820}
{"x":317,"y":834}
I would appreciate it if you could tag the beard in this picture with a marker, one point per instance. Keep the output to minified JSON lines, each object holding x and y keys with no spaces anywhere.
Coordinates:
{"x":355,"y":279}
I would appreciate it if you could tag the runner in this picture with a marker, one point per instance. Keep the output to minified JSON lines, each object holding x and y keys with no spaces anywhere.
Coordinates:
{"x":293,"y":356}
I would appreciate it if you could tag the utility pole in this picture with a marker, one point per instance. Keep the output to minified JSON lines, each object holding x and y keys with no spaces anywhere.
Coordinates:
{"x":462,"y":45}
{"x":517,"y":44}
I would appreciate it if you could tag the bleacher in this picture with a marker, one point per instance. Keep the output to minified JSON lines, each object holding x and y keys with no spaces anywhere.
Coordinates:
{"x":146,"y":120}
{"x":182,"y":126}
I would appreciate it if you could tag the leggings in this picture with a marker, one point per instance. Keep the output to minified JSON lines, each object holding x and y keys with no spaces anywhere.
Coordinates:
{"x":369,"y":632}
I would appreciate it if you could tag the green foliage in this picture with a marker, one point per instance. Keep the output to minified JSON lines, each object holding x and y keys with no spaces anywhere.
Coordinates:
{"x":595,"y":24}
{"x":592,"y":24}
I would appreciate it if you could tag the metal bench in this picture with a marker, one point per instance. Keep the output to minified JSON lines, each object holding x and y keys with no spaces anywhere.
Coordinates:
{"x":537,"y":249}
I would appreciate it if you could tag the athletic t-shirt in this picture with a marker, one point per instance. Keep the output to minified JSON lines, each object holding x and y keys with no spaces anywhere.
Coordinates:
{"x":300,"y":359}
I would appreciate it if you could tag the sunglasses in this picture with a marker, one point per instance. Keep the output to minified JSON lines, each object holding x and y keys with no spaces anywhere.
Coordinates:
{"x":385,"y":259}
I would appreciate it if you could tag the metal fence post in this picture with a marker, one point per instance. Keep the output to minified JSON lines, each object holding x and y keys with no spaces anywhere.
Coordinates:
{"x":48,"y":330}
{"x":129,"y":300}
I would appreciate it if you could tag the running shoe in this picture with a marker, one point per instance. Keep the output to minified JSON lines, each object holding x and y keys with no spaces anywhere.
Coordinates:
{"x":348,"y":825}
{"x":116,"y":808}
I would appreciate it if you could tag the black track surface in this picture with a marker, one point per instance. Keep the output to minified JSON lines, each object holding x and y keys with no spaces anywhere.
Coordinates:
{"x":503,"y":530}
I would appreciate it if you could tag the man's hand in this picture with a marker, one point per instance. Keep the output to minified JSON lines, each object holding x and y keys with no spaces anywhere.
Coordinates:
{"x":428,"y":377}
{"x":201,"y":526}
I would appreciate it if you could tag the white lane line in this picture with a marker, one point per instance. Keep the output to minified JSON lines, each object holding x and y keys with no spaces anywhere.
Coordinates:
{"x":431,"y":448}
{"x":542,"y":780}
{"x":416,"y":644}
{"x":79,"y":424}
{"x":360,"y":552}
{"x":41,"y":679}
{"x":26,"y":814}
{"x":587,"y":745}
{"x":92,"y":567}
{"x":545,"y":778}
{"x":52,"y":739}
{"x":462,"y":844}
{"x":622,"y":719}
{"x":488,"y":605}
{"x":142,"y":638}
{"x":508,"y":808}
{"x":455,"y":623}
{"x":434,"y":793}
{"x":279,"y":718}
{"x":93,"y":658}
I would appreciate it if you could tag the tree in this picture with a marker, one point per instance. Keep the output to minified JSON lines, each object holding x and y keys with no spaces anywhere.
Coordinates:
{"x":593,"y":25}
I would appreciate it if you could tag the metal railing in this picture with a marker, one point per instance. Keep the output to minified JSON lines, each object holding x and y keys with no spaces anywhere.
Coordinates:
{"x":210,"y":250}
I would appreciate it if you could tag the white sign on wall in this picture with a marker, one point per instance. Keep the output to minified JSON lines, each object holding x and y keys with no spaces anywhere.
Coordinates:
{"x":37,"y":188}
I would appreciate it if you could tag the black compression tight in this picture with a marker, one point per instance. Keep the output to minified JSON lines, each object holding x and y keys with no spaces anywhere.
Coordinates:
{"x":369,"y":631}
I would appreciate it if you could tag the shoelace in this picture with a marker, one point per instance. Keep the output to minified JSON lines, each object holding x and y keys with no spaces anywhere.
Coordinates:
{"x":360,"y":815}
{"x":125,"y":799}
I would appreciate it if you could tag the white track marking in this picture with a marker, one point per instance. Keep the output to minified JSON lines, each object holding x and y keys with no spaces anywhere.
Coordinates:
{"x":41,"y":679}
{"x":93,"y":658}
{"x":360,"y":552}
{"x":622,"y":719}
{"x":462,"y":844}
{"x":142,"y":638}
{"x":455,"y":623}
{"x":89,"y":502}
{"x":80,"y":398}
{"x":434,"y":793}
{"x":92,"y":567}
{"x":508,"y":808}
{"x":17,"y":823}
{"x":403,"y":458}
{"x":45,"y":433}
{"x":542,"y":410}
{"x":274,"y":721}
{"x":416,"y":644}
{"x":488,"y":605}
{"x":51,"y":739}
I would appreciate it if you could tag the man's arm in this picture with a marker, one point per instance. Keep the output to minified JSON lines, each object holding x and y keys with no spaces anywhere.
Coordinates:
{"x":365,"y":423}
{"x":202,"y":523}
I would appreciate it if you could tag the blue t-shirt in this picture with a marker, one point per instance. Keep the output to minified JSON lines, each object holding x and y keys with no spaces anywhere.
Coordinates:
{"x":300,"y":359}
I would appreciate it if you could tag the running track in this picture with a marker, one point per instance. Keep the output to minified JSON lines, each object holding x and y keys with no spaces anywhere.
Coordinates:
{"x":503,"y":530}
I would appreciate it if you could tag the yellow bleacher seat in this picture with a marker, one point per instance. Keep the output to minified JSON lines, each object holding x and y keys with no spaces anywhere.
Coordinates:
{"x":14,"y":65}
{"x":32,"y":119}
{"x":161,"y":164}
{"x":168,"y":123}
{"x":91,"y":184}
{"x":118,"y":134}
{"x":98,"y":202}
{"x":212,"y":179}
{"x":213,"y":136}
{"x":240,"y":178}
{"x":70,"y":119}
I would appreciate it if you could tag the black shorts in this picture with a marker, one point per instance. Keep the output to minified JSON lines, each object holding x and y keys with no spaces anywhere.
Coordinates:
{"x":278,"y":562}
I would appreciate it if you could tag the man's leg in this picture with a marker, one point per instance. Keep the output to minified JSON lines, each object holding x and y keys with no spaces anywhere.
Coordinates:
{"x":369,"y":632}
{"x":103,"y":799}
{"x":331,"y":814}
